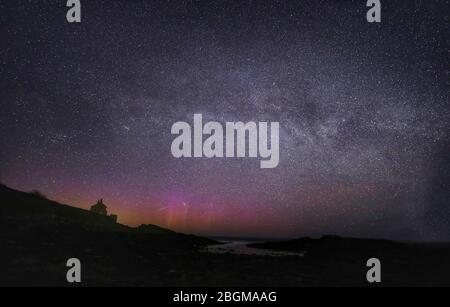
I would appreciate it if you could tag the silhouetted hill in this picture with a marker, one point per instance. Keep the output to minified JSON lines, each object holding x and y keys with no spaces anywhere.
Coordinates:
{"x":148,"y":228}
{"x":21,"y":211}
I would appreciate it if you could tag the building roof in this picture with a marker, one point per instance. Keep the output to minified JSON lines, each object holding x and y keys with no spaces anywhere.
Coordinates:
{"x":99,"y":204}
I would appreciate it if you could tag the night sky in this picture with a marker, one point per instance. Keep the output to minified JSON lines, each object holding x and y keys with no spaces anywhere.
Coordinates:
{"x":87,"y":109}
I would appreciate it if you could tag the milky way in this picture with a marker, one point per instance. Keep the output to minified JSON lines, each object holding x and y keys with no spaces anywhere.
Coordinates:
{"x":363,"y":109}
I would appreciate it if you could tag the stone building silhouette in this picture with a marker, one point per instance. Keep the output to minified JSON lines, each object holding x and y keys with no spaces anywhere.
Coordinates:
{"x":99,"y":208}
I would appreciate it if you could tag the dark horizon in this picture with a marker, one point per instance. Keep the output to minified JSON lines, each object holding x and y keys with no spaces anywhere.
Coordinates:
{"x":225,"y":237}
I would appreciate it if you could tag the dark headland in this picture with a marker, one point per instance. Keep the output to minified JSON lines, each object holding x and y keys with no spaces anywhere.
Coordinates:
{"x":38,"y":235}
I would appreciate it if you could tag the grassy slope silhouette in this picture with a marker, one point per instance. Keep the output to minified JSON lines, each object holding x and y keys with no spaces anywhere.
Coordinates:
{"x":38,"y":235}
{"x":25,"y":211}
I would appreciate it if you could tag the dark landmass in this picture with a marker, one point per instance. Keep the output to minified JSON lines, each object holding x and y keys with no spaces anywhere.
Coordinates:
{"x":38,"y":235}
{"x":403,"y":263}
{"x":330,"y":243}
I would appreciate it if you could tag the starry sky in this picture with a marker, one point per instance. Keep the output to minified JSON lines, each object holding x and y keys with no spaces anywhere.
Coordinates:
{"x":86,"y":113}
